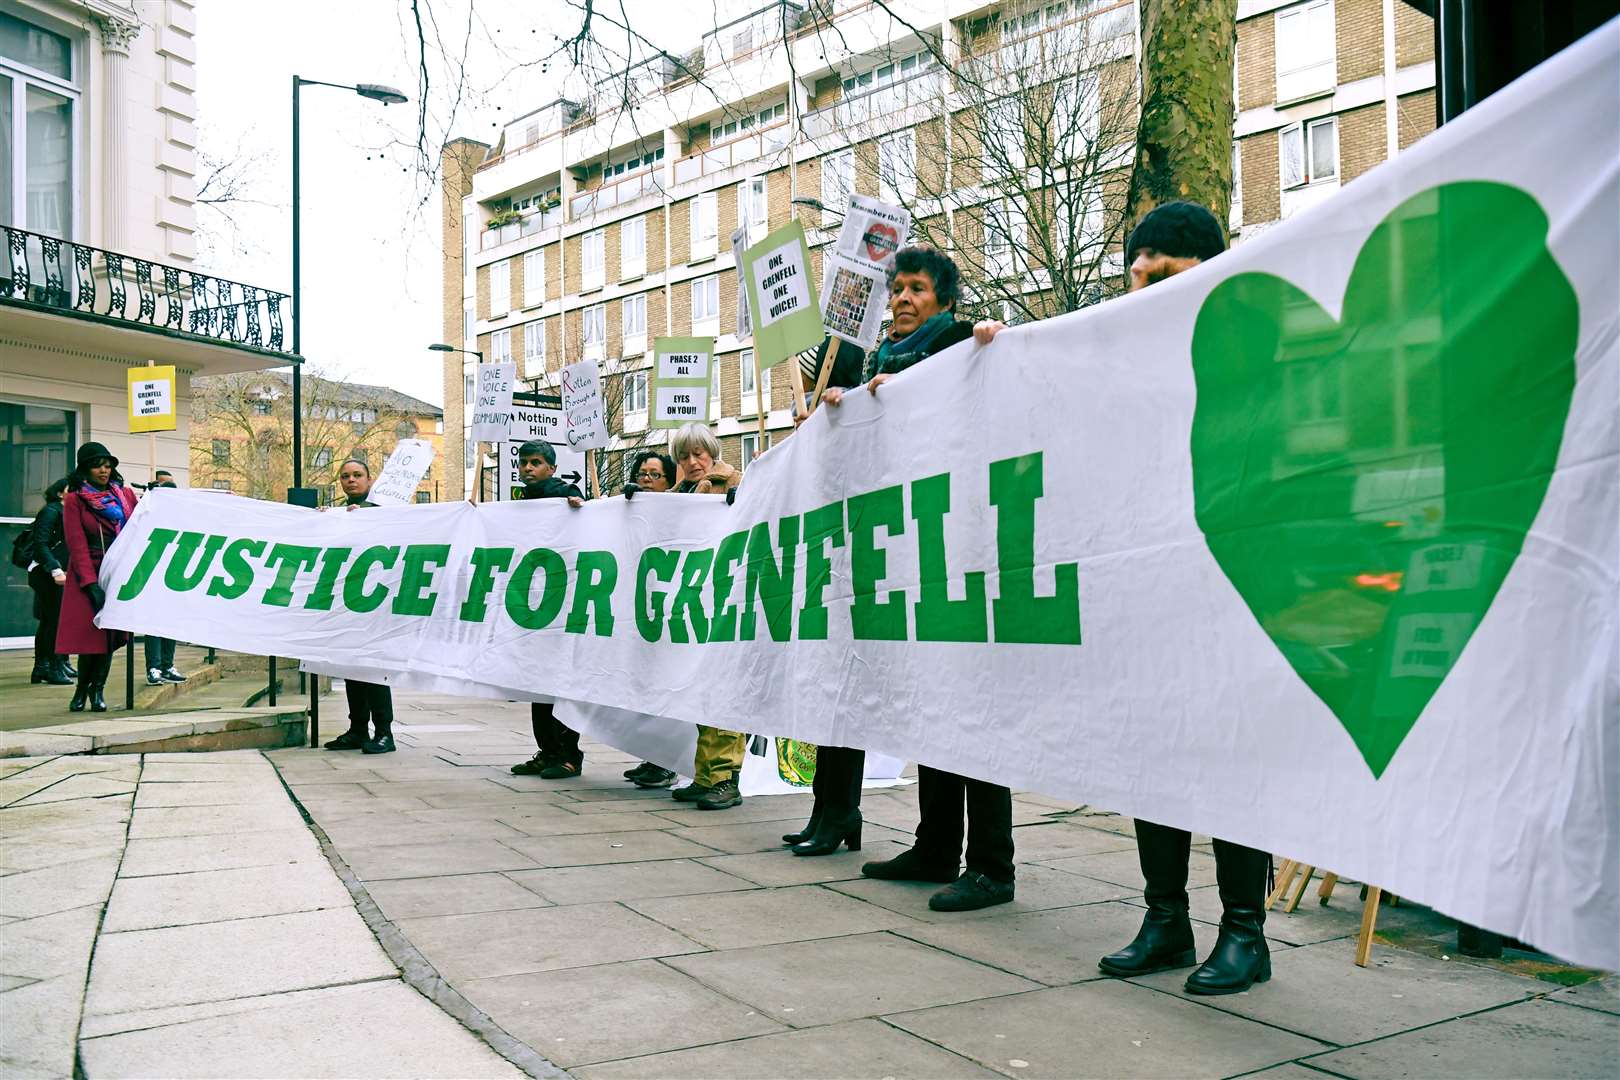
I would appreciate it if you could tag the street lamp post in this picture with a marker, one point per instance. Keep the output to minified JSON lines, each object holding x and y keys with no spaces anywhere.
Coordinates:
{"x":388,"y":96}
{"x":478,"y":451}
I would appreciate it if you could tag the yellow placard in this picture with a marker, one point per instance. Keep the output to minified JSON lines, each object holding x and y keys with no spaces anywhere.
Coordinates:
{"x":151,"y":399}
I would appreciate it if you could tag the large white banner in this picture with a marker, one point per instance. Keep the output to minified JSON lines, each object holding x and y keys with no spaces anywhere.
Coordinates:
{"x":1313,"y":547}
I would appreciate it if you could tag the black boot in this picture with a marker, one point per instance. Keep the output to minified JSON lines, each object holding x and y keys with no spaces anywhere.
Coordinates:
{"x":830,"y":832}
{"x":81,"y":693}
{"x":383,"y":743}
{"x":66,"y":665}
{"x":97,"y":702}
{"x":1240,"y":957}
{"x":48,"y":673}
{"x":805,"y":833}
{"x":1165,"y":940}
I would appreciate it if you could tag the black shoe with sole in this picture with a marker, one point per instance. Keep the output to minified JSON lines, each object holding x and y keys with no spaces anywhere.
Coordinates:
{"x":172,"y":674}
{"x":1239,"y":959}
{"x":97,"y":702}
{"x":561,"y":770}
{"x":970,"y":892}
{"x":349,"y":740}
{"x":382,"y":744}
{"x":635,"y":773}
{"x":910,"y":866}
{"x":1165,"y":941}
{"x":690,"y":793}
{"x":533,"y":767}
{"x":809,"y":830}
{"x":48,"y":673}
{"x":830,"y":833}
{"x":654,"y":778}
{"x":723,"y":796}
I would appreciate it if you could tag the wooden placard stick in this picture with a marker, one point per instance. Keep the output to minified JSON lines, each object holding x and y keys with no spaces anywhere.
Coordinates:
{"x":825,"y":374}
{"x":759,"y":393}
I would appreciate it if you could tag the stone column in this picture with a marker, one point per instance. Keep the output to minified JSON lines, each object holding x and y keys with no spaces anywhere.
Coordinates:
{"x":116,"y":36}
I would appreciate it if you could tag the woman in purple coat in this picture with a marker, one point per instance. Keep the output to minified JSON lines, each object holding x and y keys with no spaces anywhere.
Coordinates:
{"x":95,"y":507}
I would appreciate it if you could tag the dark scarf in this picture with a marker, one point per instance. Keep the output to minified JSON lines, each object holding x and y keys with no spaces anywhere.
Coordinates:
{"x":105,"y":503}
{"x":898,"y":355}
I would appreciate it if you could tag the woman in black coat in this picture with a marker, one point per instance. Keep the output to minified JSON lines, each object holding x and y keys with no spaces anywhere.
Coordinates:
{"x":46,"y":576}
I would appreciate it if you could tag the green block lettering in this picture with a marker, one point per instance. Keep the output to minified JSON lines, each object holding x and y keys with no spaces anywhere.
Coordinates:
{"x":872,"y":619}
{"x":420,"y":562}
{"x":820,"y":526}
{"x":332,"y":560}
{"x":723,"y":627}
{"x":520,"y":588}
{"x":1021,"y":616}
{"x":355,"y":596}
{"x":655,"y":562}
{"x":687,"y":606}
{"x":236,"y":573}
{"x":939,"y":618}
{"x":156,"y":544}
{"x":595,"y":575}
{"x":486,"y":563}
{"x":770,"y":582}
{"x":293,"y":558}
{"x":182,"y":574}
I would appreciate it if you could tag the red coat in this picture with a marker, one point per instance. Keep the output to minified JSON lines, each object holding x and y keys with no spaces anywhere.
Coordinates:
{"x":88,"y":535}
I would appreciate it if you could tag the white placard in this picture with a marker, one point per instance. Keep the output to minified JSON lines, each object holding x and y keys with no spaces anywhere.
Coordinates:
{"x":492,"y":401}
{"x":406,"y":465}
{"x":684,"y":364}
{"x":679,"y":404}
{"x":544,"y":423}
{"x":584,"y":413}
{"x":745,"y":324}
{"x":783,"y":282}
{"x":873,"y":231}
{"x":853,"y":300}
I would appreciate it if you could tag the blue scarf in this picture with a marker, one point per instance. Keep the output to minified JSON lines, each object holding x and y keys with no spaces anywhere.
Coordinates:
{"x":106,"y":504}
{"x":892,"y":355}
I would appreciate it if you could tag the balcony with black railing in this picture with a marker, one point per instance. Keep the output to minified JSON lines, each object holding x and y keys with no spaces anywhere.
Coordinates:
{"x":49,"y":275}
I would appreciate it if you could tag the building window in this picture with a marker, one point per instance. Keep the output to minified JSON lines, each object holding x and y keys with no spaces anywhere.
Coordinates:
{"x":466,"y":324}
{"x":261,"y":406}
{"x":592,"y":256}
{"x":837,"y":180}
{"x":323,"y":458}
{"x":534,"y":340}
{"x":469,"y":396}
{"x":634,"y":314}
{"x":424,"y":496}
{"x":753,"y":445}
{"x":221,"y":485}
{"x":706,"y":305}
{"x":500,"y":288}
{"x":635,"y":392}
{"x":468,"y":452}
{"x":222,"y":451}
{"x":534,"y":278}
{"x":1006,"y":236}
{"x":327,"y":495}
{"x":38,"y":97}
{"x":595,"y":330}
{"x":359,"y":455}
{"x":1309,"y":152}
{"x":500,"y":347}
{"x":897,"y":168}
{"x":714,"y":389}
{"x":633,"y":248}
{"x":745,"y":382}
{"x":1305,"y":50}
{"x":704,"y":224}
{"x":404,"y":429}
{"x":466,"y":241}
{"x":753,"y":212}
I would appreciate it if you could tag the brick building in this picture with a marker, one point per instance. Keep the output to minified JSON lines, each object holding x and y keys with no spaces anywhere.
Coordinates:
{"x":593,"y":226}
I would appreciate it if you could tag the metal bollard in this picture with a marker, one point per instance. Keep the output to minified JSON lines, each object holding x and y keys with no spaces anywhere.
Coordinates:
{"x":270,"y":685}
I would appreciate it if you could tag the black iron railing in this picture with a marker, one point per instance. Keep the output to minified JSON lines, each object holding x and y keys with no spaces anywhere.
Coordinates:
{"x":59,"y":275}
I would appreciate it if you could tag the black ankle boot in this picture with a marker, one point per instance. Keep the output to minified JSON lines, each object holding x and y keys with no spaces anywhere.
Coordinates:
{"x":66,"y":664}
{"x":97,"y":702}
{"x":1240,"y":957}
{"x":81,"y":695}
{"x":48,"y":673}
{"x":1165,"y":941}
{"x":382,"y":744}
{"x":830,"y":832}
{"x":805,"y":833}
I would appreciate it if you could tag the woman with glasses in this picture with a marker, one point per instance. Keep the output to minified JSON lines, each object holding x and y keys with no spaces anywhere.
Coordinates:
{"x":651,"y":471}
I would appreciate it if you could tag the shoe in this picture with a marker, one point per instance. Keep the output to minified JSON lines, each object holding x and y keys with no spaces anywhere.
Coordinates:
{"x":829,"y":834}
{"x":809,"y":830}
{"x":1165,"y":941}
{"x":80,"y":697}
{"x":97,"y":702}
{"x":560,"y":770}
{"x":382,"y":744}
{"x":154,"y":677}
{"x":67,"y":667}
{"x":533,"y":767}
{"x":349,"y":740}
{"x":172,"y":674}
{"x":1239,"y":959}
{"x":970,"y":892}
{"x":723,"y":796}
{"x":48,"y":673}
{"x":690,"y":793}
{"x":655,"y":777}
{"x":909,"y":866}
{"x":645,"y":766}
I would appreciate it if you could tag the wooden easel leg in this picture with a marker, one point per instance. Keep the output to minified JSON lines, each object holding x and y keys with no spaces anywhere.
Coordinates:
{"x":1285,"y":877}
{"x":1325,"y":893}
{"x":1369,"y":917}
{"x":1304,"y":882}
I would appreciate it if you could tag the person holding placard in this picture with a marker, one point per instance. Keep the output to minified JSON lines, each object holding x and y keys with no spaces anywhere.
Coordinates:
{"x":371,"y":705}
{"x":718,"y":761}
{"x":95,"y":507}
{"x":557,"y":755}
{"x":651,"y":471}
{"x":1175,"y":237}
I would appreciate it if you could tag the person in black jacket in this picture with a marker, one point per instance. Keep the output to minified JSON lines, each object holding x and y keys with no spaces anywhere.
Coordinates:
{"x":371,"y":705}
{"x":558,"y":756}
{"x":47,"y":576}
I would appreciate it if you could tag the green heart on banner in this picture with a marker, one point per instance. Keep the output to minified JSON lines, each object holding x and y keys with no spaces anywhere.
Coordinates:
{"x":1366,"y":484}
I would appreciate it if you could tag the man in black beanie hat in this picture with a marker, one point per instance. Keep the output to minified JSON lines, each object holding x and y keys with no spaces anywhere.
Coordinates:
{"x":1174,"y":237}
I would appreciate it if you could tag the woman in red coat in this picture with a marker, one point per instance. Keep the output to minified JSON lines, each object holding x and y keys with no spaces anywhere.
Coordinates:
{"x":95,"y":507}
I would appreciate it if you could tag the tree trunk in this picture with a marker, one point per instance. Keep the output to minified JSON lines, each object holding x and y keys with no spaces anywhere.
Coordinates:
{"x":1184,"y":136}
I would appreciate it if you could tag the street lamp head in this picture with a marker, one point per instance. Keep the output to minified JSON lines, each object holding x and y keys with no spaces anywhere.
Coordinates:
{"x":385,"y":94}
{"x":441,"y":348}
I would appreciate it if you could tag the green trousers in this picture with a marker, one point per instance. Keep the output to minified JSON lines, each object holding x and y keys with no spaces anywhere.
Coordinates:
{"x":719,"y":756}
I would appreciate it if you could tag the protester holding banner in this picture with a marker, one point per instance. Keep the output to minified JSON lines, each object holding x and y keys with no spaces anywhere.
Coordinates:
{"x":46,"y":555}
{"x":95,"y":507}
{"x":160,"y":667}
{"x":650,"y":471}
{"x":1172,"y":238}
{"x":719,"y":758}
{"x":557,"y":755}
{"x":371,"y":705}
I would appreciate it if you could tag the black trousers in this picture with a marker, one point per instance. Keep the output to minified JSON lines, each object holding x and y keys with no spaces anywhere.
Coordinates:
{"x":1240,"y":872}
{"x":556,"y":740}
{"x":160,"y":654}
{"x":369,"y":703}
{"x":940,"y":798}
{"x":837,"y":783}
{"x":48,"y":610}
